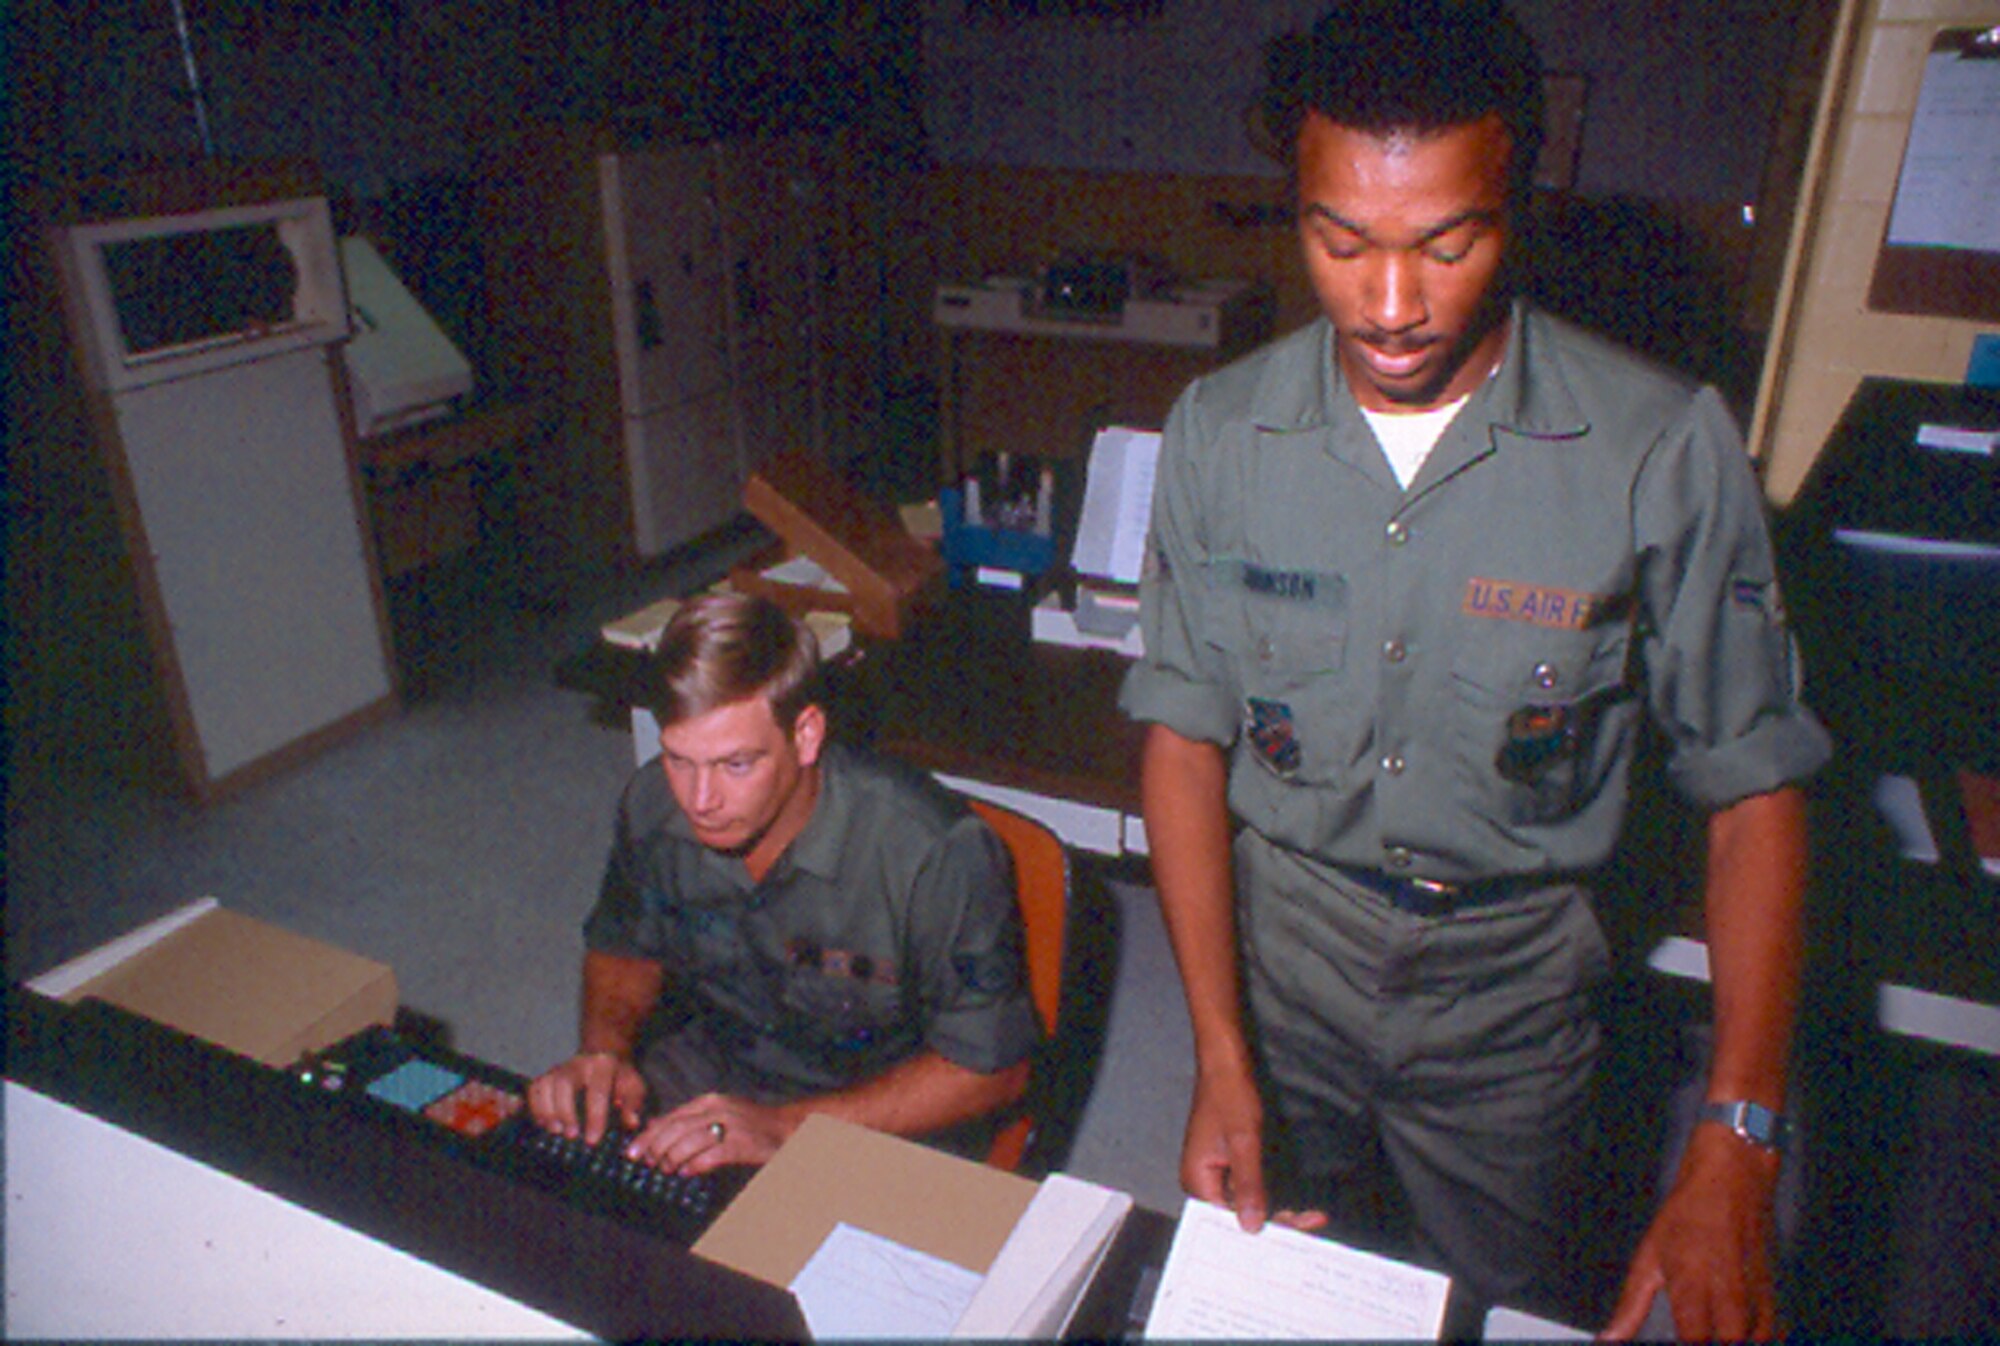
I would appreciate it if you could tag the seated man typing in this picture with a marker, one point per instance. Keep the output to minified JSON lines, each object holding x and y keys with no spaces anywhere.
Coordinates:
{"x":786,"y":926}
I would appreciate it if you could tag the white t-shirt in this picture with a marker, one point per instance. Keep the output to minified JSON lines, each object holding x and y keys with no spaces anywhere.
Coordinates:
{"x":1407,"y":437}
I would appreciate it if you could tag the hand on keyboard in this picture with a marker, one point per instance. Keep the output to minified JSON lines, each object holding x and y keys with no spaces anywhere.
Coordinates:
{"x":610,"y":1090}
{"x":711,"y":1132}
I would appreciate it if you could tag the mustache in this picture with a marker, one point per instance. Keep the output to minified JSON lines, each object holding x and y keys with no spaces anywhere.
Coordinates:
{"x":1396,"y":343}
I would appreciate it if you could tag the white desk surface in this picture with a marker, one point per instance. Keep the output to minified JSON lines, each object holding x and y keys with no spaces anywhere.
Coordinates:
{"x":110,"y":1236}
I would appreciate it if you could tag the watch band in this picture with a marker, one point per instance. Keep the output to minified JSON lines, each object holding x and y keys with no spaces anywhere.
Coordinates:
{"x":1752,"y":1121}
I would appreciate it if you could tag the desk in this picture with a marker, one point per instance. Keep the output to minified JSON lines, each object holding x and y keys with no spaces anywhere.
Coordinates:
{"x":270,"y":1187}
{"x":190,"y":1250}
{"x":1031,"y":726}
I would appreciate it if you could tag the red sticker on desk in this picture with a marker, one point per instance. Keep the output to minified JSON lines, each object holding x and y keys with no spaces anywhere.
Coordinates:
{"x":474,"y":1108}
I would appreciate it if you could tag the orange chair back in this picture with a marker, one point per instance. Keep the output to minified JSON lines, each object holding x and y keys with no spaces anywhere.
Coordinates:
{"x":1041,"y":887}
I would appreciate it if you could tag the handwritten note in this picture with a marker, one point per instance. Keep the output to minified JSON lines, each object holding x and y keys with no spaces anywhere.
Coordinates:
{"x":860,"y":1284}
{"x":1281,"y":1285}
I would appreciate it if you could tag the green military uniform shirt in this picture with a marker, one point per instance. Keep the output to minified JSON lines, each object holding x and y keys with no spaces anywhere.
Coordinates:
{"x":888,"y":927}
{"x":1447,"y":682}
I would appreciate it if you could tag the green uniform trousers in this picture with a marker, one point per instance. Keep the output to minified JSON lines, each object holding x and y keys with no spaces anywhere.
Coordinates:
{"x":1458,"y":1047}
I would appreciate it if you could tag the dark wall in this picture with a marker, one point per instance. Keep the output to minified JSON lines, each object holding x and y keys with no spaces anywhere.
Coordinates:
{"x":383,"y":91}
{"x":1682,"y":93}
{"x":375,"y":91}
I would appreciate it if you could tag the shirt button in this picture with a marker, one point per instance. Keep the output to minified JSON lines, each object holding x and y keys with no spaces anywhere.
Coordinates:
{"x":1393,"y":651}
{"x":1393,"y":764}
{"x":1397,"y":532}
{"x":1546,"y":676}
{"x":1397,"y":857}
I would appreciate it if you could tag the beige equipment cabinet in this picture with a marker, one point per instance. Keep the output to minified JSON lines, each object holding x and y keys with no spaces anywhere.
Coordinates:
{"x":206,"y":339}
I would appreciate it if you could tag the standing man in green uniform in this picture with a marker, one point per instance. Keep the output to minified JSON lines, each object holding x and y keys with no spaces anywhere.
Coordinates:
{"x":1418,"y":572}
{"x":786,"y":927}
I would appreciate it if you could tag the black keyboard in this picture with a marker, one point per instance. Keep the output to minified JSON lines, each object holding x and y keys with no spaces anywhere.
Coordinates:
{"x":479,"y":1111}
{"x":601,"y":1177}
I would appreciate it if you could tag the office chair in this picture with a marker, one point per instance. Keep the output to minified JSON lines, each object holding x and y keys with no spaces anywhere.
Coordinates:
{"x":1069,"y":927}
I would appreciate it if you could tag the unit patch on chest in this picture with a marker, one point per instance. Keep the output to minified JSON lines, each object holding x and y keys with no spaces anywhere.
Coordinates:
{"x":1535,"y":604}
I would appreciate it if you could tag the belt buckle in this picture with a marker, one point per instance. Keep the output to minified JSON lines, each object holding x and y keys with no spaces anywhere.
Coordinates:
{"x":1430,"y":897}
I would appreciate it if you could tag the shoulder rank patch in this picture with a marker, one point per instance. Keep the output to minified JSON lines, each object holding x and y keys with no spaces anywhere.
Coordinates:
{"x":1535,"y":604}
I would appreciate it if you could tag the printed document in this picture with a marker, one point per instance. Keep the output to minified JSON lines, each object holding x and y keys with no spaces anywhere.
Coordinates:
{"x":1948,"y":193}
{"x":1282,"y":1285}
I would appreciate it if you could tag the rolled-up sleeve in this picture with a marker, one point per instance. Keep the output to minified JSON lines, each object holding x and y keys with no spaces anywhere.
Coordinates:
{"x":968,"y":953}
{"x":1722,"y":667}
{"x":1180,"y":681}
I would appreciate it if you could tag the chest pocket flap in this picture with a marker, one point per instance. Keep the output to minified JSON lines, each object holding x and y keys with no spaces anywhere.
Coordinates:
{"x":1285,"y":625}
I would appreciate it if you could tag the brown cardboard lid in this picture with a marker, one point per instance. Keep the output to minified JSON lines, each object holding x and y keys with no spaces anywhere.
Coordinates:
{"x":832,"y":1172}
{"x":250,"y":986}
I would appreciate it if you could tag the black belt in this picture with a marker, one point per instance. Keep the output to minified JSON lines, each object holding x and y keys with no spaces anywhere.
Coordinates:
{"x":1429,"y":897}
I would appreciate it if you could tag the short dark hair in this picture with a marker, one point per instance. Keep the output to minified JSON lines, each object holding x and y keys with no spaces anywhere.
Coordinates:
{"x":722,"y":648}
{"x":1406,"y":65}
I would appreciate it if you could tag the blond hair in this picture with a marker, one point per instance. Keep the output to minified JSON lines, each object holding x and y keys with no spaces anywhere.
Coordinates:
{"x":723,"y":648}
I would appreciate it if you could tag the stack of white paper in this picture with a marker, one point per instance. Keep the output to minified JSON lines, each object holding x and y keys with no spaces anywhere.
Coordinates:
{"x":1117,"y":505}
{"x":861,"y":1285}
{"x":1282,"y":1285}
{"x":1038,"y":1279}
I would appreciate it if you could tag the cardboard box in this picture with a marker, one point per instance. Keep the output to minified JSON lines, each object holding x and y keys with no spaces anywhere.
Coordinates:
{"x":833,"y":1172}
{"x":1034,"y":1246}
{"x":230,"y":979}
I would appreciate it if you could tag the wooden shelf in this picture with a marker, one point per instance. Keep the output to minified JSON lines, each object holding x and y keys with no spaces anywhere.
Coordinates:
{"x":440,"y":444}
{"x":421,"y":479}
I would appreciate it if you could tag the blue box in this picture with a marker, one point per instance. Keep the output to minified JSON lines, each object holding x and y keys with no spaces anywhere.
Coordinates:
{"x":968,"y":547}
{"x":1983,"y":369}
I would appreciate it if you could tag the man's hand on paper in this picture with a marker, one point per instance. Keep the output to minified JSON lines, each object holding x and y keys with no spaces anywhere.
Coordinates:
{"x":602,"y":1081}
{"x":1305,"y":1221}
{"x":1222,"y":1158}
{"x":711,"y":1132}
{"x":1709,"y":1247}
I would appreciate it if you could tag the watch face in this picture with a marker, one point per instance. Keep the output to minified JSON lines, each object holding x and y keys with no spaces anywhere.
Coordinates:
{"x":1752,"y":1121}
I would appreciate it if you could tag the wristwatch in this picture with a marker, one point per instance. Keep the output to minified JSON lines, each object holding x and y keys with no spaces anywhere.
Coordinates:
{"x":1752,"y":1121}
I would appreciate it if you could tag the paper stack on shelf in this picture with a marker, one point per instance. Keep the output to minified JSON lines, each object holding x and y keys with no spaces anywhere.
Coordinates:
{"x":883,"y":575}
{"x":1110,"y":547}
{"x":1053,"y":624}
{"x":640,"y":629}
